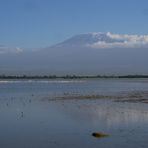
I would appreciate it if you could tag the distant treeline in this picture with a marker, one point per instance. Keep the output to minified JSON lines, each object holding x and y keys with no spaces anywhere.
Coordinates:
{"x":69,"y":76}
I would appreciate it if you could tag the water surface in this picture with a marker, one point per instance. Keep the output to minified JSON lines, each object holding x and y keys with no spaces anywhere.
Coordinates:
{"x":28,"y":120}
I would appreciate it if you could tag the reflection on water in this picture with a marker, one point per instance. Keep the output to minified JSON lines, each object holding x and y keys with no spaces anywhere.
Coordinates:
{"x":26,"y":121}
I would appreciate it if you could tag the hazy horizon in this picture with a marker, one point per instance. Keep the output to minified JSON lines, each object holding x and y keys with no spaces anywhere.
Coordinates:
{"x":73,"y":37}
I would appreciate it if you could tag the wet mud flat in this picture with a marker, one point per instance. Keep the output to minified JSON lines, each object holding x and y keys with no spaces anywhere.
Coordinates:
{"x":132,"y":96}
{"x":71,"y":114}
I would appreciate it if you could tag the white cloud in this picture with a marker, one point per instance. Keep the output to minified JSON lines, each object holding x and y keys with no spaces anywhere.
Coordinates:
{"x":19,"y":50}
{"x":5,"y":49}
{"x":123,"y":41}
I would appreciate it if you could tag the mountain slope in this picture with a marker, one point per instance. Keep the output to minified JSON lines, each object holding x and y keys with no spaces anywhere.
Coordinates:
{"x":90,"y":53}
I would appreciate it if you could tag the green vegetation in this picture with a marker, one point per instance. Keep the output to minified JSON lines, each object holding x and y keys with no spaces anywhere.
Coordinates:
{"x":69,"y":76}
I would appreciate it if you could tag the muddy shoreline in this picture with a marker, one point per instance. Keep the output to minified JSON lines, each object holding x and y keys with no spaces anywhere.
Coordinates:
{"x":133,"y":97}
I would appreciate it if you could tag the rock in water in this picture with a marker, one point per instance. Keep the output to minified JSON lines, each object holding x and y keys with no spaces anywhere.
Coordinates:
{"x":99,"y":135}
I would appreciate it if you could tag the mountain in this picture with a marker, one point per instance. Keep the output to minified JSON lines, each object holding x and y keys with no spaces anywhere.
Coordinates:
{"x":90,"y":53}
{"x":82,"y":40}
{"x":106,"y":40}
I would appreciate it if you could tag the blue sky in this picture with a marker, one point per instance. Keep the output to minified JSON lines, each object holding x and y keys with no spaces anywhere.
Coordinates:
{"x":41,"y":23}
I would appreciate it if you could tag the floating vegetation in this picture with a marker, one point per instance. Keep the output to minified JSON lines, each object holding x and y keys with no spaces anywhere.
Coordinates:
{"x":99,"y":135}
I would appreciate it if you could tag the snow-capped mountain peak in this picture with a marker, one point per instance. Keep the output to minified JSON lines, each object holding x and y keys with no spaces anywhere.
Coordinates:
{"x":82,"y":54}
{"x":86,"y":39}
{"x":106,"y":40}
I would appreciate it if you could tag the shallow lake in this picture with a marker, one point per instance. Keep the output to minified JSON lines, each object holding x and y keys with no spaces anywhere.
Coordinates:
{"x":32,"y":117}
